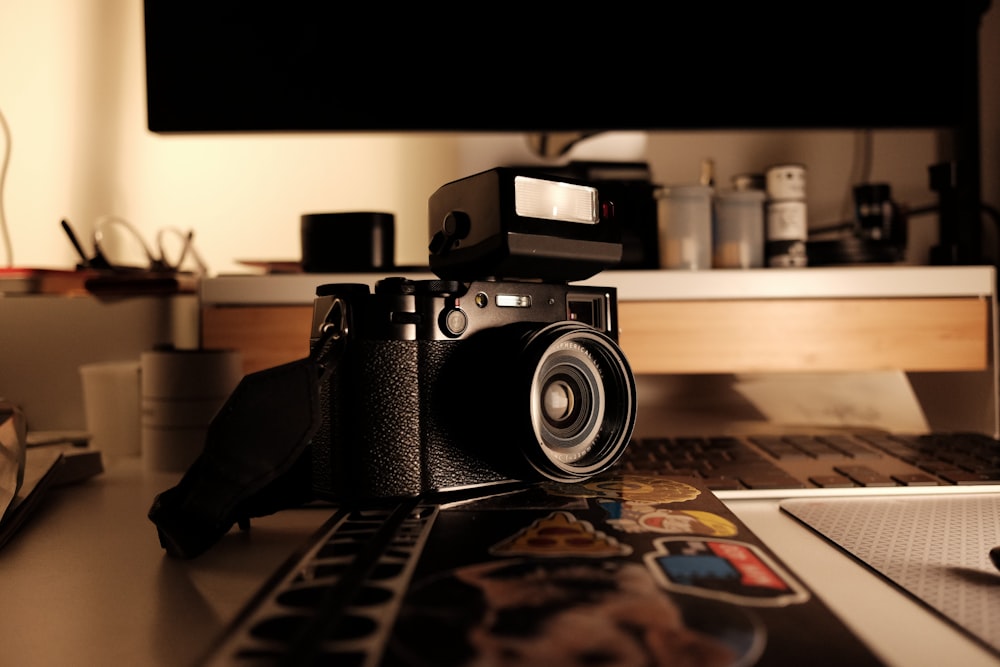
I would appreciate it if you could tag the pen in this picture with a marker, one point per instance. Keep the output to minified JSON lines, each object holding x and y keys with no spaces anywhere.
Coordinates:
{"x":184,"y":250}
{"x":76,"y":243}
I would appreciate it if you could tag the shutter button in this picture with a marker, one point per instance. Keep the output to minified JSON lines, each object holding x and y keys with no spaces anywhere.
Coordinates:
{"x":454,"y":321}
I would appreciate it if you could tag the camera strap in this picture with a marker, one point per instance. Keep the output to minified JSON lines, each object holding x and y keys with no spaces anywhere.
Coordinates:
{"x":255,"y":459}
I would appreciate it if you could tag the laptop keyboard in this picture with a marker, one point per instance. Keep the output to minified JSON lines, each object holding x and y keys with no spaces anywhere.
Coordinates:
{"x":770,"y":465}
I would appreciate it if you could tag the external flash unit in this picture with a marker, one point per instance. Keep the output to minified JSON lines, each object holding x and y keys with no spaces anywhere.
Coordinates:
{"x":504,"y":224}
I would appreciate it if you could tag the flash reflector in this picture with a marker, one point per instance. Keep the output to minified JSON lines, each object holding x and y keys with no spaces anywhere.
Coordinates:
{"x":555,"y":200}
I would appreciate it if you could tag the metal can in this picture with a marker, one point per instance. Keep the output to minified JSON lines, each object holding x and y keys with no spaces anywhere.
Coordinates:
{"x":786,"y":181}
{"x":787,"y":221}
{"x":786,"y":233}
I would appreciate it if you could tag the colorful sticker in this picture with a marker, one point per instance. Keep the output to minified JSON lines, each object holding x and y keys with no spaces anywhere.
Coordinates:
{"x":553,"y":613}
{"x":636,"y":488}
{"x":723,"y":569}
{"x":632,"y":517}
{"x":561,"y":534}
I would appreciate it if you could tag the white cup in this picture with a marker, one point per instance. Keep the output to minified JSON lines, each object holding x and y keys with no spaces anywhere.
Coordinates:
{"x":111,"y":407}
{"x":738,"y":233}
{"x":685,"y":226}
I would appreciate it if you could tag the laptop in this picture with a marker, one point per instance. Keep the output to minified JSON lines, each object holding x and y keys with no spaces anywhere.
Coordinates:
{"x":819,"y":435}
{"x":621,"y":569}
{"x":824,"y":463}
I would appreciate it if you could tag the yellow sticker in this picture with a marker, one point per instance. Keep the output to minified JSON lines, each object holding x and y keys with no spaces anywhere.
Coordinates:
{"x":560,"y":534}
{"x":632,"y":517}
{"x":635,"y":488}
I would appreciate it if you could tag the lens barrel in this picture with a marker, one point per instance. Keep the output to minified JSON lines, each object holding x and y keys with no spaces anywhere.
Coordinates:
{"x":582,"y":401}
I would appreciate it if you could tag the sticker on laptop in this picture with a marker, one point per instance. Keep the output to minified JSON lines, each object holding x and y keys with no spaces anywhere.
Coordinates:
{"x":723,"y":569}
{"x":636,"y":488}
{"x":554,"y":612}
{"x":630,"y":517}
{"x":560,"y":534}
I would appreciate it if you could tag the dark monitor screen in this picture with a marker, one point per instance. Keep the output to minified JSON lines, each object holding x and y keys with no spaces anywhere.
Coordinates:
{"x":244,"y":66}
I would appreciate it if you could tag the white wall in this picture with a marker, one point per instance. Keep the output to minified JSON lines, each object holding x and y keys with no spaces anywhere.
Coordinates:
{"x":72,"y":90}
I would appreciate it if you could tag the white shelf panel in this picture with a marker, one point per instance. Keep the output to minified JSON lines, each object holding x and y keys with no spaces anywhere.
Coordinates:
{"x":650,"y":285}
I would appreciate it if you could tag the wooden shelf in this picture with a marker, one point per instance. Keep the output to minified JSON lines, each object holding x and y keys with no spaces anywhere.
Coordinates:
{"x":841,"y":319}
{"x":710,"y":336}
{"x":725,"y":336}
{"x":266,"y":335}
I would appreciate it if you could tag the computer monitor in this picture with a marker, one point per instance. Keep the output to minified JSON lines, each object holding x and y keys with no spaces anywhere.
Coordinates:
{"x":225,"y":66}
{"x":318,"y":66}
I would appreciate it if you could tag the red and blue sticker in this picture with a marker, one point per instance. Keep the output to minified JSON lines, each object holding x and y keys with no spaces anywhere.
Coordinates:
{"x":723,"y":570}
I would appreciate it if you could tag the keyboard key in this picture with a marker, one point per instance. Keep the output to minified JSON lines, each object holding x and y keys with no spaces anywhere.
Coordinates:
{"x":758,"y":468}
{"x":962,"y":478}
{"x":849,"y":446}
{"x":915,"y":479}
{"x":771,"y":481}
{"x":865,"y":476}
{"x":779,"y":448}
{"x":722,"y":483}
{"x":938,"y":467}
{"x":814,"y":447}
{"x":831,"y":481}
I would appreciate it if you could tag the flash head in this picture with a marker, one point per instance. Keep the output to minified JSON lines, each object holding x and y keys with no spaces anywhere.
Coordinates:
{"x":511,"y":224}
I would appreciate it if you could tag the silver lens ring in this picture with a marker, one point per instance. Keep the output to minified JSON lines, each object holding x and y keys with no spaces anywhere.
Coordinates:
{"x":568,"y":401}
{"x":582,"y":401}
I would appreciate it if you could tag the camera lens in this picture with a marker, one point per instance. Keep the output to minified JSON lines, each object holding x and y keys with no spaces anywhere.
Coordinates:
{"x":559,"y":403}
{"x":582,"y":400}
{"x":571,"y":397}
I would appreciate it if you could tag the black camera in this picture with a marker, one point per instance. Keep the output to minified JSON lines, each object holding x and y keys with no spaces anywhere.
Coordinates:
{"x":501,"y":370}
{"x":445,"y":385}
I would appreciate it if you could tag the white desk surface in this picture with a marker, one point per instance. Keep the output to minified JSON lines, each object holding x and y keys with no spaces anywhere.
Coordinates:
{"x":85,"y":582}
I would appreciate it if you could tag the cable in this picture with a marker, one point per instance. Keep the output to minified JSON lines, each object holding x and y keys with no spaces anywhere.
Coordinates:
{"x":909,"y":213}
{"x":861,"y":168}
{"x":8,"y":246}
{"x":995,"y":214}
{"x":867,"y":156}
{"x":844,"y":225}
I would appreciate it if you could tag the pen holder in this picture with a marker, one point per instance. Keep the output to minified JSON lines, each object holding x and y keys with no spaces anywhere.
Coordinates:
{"x":182,"y":390}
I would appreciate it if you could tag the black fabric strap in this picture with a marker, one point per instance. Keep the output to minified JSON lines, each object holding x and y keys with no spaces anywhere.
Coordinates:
{"x":255,"y":461}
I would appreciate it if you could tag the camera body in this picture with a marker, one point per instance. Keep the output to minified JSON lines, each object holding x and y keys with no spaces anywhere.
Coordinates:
{"x":500,"y":370}
{"x":446,"y":385}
